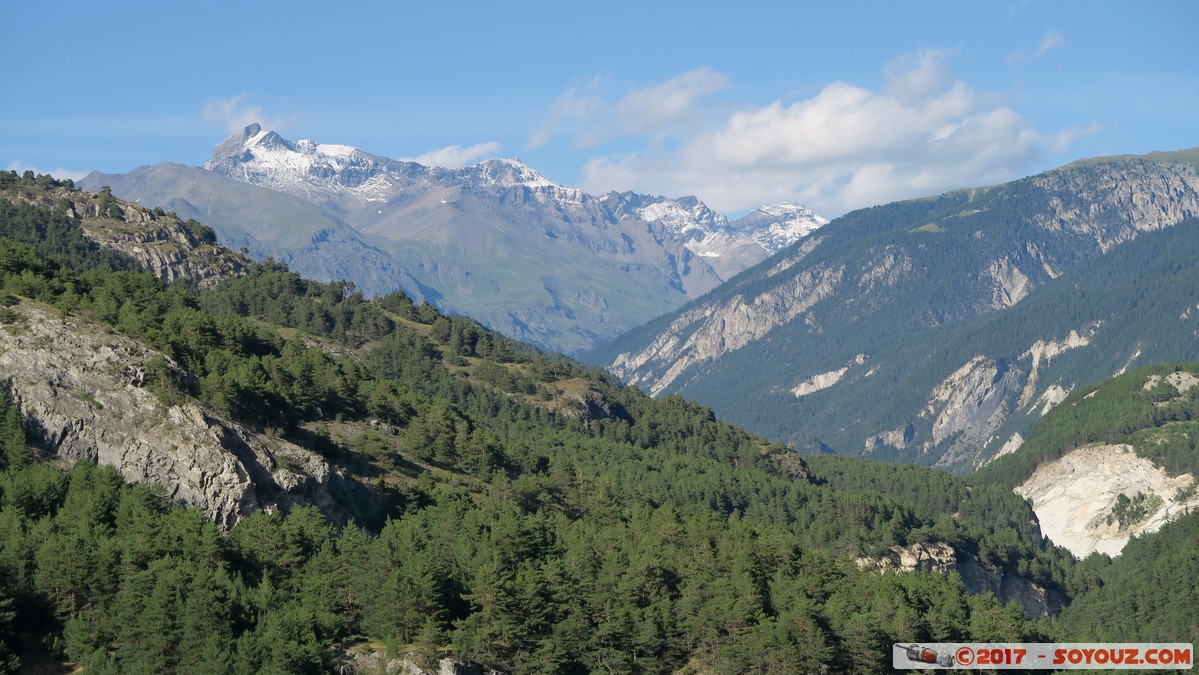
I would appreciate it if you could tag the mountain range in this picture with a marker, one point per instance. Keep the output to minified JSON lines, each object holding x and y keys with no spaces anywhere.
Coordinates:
{"x":937,"y":331}
{"x":498,"y":241}
{"x":379,"y":472}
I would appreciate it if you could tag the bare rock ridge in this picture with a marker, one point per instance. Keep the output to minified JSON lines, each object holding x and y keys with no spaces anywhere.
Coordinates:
{"x":84,"y":392}
{"x":162,"y":246}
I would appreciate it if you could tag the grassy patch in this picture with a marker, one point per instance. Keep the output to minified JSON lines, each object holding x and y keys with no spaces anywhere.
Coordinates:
{"x":932,"y":228}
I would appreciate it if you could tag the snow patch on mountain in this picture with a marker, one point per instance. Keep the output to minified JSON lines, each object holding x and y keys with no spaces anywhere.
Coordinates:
{"x":777,"y":226}
{"x":347,"y":178}
{"x":710,"y":235}
{"x":317,"y":171}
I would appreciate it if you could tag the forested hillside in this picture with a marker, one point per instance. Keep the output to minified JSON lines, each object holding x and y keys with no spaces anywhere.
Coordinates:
{"x":533,"y":515}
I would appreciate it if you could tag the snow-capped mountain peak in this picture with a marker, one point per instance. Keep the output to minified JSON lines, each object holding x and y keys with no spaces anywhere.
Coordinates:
{"x":318,"y":171}
{"x":512,"y":173}
{"x":777,"y":226}
{"x":265,"y":158}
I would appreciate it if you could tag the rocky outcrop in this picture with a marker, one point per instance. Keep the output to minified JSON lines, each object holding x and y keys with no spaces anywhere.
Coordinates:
{"x":977,"y":576}
{"x":1010,"y":285}
{"x":1097,"y":497}
{"x":936,"y":557}
{"x":158,"y":241}
{"x":897,"y":438}
{"x":579,"y":399}
{"x":887,"y":270}
{"x":1013,"y":444}
{"x":84,"y":393}
{"x":1053,"y":396}
{"x":966,"y":411}
{"x":1182,"y":381}
{"x":825,"y":380}
{"x":1042,"y":353}
{"x":366,"y":659}
{"x":161,"y":244}
{"x":982,"y":577}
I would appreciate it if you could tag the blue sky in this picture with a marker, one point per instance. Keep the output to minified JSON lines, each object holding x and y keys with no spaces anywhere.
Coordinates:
{"x":836,"y":105}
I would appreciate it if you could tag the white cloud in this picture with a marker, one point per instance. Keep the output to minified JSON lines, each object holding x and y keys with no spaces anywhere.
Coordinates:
{"x":914,"y":77}
{"x":1051,"y":42}
{"x":660,"y":106}
{"x":455,"y":156}
{"x":1063,"y":139}
{"x":59,"y":173}
{"x":580,"y":102}
{"x":236,"y":114}
{"x":592,"y":118}
{"x":844,"y":148}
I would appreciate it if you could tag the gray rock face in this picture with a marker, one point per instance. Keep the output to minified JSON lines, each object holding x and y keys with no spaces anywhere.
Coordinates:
{"x":712,"y":331}
{"x":970,"y":405}
{"x":82,"y":390}
{"x":1114,"y":203}
{"x":367,"y":659}
{"x":160,"y":244}
{"x":977,"y":576}
{"x":1007,"y":585}
{"x":936,"y":557}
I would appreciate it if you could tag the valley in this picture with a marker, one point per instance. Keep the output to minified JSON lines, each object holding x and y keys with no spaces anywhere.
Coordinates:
{"x":563,"y":339}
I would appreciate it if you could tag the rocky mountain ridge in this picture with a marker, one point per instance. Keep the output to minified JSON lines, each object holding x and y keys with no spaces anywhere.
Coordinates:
{"x":886,"y":288}
{"x":474,"y":240}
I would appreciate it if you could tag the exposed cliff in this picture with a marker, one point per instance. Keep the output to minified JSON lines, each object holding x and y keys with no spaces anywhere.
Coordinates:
{"x":716,"y":331}
{"x":1097,"y":498}
{"x":160,"y":243}
{"x":85,"y":393}
{"x":977,"y":576}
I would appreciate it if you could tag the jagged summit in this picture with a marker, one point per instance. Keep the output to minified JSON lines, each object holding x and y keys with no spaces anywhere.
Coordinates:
{"x":262,"y":157}
{"x":265,"y":158}
{"x":777,"y":226}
